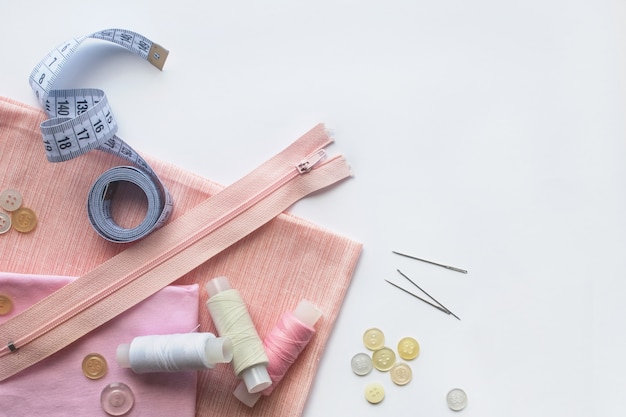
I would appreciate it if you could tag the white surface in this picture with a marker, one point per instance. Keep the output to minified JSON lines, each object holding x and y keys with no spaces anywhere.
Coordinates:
{"x":484,"y":134}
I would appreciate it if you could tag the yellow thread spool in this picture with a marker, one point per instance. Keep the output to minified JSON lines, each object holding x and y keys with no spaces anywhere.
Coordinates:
{"x":231,"y":318}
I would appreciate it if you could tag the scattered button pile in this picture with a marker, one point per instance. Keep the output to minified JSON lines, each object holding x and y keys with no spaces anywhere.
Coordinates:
{"x":384,"y":359}
{"x":23,"y":219}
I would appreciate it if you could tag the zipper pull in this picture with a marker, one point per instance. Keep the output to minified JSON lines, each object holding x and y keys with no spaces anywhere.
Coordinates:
{"x":307,"y":164}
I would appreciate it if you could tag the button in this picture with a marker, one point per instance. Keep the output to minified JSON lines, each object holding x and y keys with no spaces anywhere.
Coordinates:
{"x":401,"y":373}
{"x":5,"y":223}
{"x":374,"y":393}
{"x":6,"y":305}
{"x":383,"y":359}
{"x":24,"y":219}
{"x":456,"y":399}
{"x":362,"y":364}
{"x":10,"y":200}
{"x":117,"y":399}
{"x":373,"y":339}
{"x":408,"y":348}
{"x":94,"y":366}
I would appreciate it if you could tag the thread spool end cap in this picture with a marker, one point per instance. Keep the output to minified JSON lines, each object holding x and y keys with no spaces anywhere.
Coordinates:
{"x":307,"y":313}
{"x":219,"y":350}
{"x":242,"y":394}
{"x":256,"y":378}
{"x":123,"y":355}
{"x":217,"y":285}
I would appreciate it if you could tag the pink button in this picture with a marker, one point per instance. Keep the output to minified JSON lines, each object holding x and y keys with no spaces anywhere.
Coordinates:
{"x":117,"y":399}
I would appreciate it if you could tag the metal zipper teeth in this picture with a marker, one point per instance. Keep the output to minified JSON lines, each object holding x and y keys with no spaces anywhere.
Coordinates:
{"x":303,"y":167}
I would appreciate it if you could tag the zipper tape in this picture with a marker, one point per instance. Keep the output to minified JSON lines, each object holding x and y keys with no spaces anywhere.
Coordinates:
{"x":81,"y":120}
{"x":170,"y":252}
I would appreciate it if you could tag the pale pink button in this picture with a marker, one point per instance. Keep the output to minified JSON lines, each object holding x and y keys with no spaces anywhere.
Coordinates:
{"x":117,"y":399}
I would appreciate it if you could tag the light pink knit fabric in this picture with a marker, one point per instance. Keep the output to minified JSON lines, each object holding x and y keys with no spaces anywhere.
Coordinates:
{"x":274,"y":268}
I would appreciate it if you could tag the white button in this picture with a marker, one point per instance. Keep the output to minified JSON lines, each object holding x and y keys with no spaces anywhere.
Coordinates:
{"x":456,"y":399}
{"x":117,"y":399}
{"x":361,"y":364}
{"x":10,"y":200}
{"x":5,"y":223}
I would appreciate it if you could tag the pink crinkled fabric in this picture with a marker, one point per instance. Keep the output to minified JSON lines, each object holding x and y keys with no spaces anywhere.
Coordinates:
{"x":273,"y":268}
{"x":57,"y":387}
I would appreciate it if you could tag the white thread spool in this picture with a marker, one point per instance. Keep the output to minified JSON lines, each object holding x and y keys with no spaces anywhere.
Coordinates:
{"x":174,"y":352}
{"x":231,"y":318}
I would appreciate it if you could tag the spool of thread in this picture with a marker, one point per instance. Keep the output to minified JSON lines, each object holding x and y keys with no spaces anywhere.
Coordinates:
{"x":174,"y":352}
{"x":232,"y":319}
{"x":283,"y":344}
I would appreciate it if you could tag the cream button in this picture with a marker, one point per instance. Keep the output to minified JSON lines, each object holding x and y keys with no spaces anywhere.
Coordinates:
{"x":362,"y":364}
{"x":456,"y":399}
{"x":401,"y":373}
{"x":6,"y":305}
{"x":24,"y":219}
{"x":94,"y":366}
{"x":408,"y":348}
{"x":10,"y":200}
{"x":374,"y":392}
{"x":5,"y":223}
{"x":383,"y":359}
{"x":373,"y":339}
{"x":117,"y":399}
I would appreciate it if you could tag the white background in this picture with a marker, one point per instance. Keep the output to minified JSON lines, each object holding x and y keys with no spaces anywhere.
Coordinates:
{"x":484,"y":134}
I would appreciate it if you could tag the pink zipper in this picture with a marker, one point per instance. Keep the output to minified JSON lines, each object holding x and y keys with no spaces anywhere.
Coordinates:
{"x":305,"y":166}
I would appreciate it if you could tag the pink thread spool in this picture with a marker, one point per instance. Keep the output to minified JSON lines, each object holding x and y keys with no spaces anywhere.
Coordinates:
{"x":283,"y":344}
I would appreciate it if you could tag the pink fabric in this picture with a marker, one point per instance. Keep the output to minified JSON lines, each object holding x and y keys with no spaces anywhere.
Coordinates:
{"x":273,"y":268}
{"x":57,"y":386}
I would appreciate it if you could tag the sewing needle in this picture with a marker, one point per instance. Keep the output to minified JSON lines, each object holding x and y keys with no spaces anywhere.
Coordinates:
{"x":419,"y":298}
{"x":432,"y":263}
{"x":431,"y":297}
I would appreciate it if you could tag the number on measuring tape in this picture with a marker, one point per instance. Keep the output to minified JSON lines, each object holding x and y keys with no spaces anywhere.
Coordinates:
{"x":81,"y":120}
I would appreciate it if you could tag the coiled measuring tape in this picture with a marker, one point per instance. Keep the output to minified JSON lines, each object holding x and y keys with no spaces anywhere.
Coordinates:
{"x":81,"y":120}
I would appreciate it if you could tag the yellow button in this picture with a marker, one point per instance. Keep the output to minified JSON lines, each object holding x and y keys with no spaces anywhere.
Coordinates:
{"x":401,"y":373}
{"x":6,"y":305}
{"x":373,"y":339}
{"x":10,"y":200}
{"x":383,"y":359}
{"x":5,"y":223}
{"x":408,"y":348}
{"x":94,"y":366}
{"x":24,"y":219}
{"x":374,"y":392}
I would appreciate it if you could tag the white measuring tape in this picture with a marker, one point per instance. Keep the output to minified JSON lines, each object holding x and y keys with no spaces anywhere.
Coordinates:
{"x":81,"y":120}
